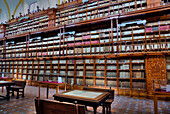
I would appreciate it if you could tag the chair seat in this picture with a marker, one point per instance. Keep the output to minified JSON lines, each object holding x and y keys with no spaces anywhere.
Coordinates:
{"x":109,"y":101}
{"x":16,"y":87}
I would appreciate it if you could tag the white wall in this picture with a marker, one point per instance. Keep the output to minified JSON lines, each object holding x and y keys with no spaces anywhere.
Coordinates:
{"x":4,"y":14}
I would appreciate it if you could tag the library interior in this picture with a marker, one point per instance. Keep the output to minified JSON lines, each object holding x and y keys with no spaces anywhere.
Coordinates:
{"x":84,"y":56}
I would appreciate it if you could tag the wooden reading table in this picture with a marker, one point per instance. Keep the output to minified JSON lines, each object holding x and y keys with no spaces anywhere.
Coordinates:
{"x":159,"y":94}
{"x":47,"y":83}
{"x":5,"y":79}
{"x":84,"y":97}
{"x":7,"y":84}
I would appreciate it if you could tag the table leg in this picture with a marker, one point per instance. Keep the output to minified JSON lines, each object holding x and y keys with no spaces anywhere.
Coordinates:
{"x":47,"y":90}
{"x":39,"y":91}
{"x":155,"y":104}
{"x":2,"y":89}
{"x":57,"y":89}
{"x":103,"y":108}
{"x":7,"y":95}
{"x":94,"y":108}
{"x":65,"y":87}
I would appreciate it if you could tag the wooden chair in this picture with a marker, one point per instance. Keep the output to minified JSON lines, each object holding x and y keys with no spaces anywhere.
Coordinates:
{"x":109,"y":101}
{"x":18,"y":87}
{"x":44,"y":106}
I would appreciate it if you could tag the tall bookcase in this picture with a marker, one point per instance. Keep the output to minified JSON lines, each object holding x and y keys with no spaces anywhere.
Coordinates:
{"x":123,"y":44}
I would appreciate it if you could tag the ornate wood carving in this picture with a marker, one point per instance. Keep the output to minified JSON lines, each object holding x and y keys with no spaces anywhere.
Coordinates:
{"x":51,"y":17}
{"x":155,"y":69}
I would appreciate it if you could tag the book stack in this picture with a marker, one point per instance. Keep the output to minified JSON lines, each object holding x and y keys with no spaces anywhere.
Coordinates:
{"x":111,"y":74}
{"x":89,"y":73}
{"x":138,"y":66}
{"x":79,"y":81}
{"x":112,"y":83}
{"x":80,"y":67}
{"x":100,"y":67}
{"x":124,"y":75}
{"x":100,"y":73}
{"x":125,"y":84}
{"x":99,"y":82}
{"x":79,"y":73}
{"x":124,"y":66}
{"x":140,"y":85}
{"x":138,"y":74}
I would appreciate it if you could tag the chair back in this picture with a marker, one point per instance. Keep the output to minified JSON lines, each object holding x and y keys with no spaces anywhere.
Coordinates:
{"x":44,"y":106}
{"x":21,"y":83}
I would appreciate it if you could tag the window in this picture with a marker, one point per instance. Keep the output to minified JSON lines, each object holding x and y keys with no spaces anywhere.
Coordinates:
{"x":33,"y":7}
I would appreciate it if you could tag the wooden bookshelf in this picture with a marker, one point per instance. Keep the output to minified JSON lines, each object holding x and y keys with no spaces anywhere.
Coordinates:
{"x":168,"y":69}
{"x":96,"y":43}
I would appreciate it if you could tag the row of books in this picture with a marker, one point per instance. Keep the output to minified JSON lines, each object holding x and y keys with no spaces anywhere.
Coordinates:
{"x":79,"y":81}
{"x":89,"y":67}
{"x":100,"y":73}
{"x":81,"y":61}
{"x":124,"y":66}
{"x":111,"y":83}
{"x":79,"y":73}
{"x":89,"y":73}
{"x":80,"y":67}
{"x":69,"y":39}
{"x":83,"y":43}
{"x":141,"y":85}
{"x":124,"y":84}
{"x":111,"y":67}
{"x":124,"y":74}
{"x":100,"y":67}
{"x":138,"y":74}
{"x":138,"y":66}
{"x":168,"y":65}
{"x":111,"y":74}
{"x":70,"y":67}
{"x":89,"y":60}
{"x":99,"y":60}
{"x":70,"y":73}
{"x":70,"y":80}
{"x":161,"y":28}
{"x":30,"y":28}
{"x":23,"y":25}
{"x":64,"y":67}
{"x":124,"y":7}
{"x":99,"y":82}
{"x":168,"y":75}
{"x":70,"y":44}
{"x":89,"y":81}
{"x":138,"y":60}
{"x":126,"y":47}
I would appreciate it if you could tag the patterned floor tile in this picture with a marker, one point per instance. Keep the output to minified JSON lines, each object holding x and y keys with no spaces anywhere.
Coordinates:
{"x":121,"y":104}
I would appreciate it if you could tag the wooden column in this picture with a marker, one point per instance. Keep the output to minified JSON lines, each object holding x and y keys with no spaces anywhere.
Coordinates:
{"x":51,"y":17}
{"x":117,"y":24}
{"x":4,"y":48}
{"x":153,"y":3}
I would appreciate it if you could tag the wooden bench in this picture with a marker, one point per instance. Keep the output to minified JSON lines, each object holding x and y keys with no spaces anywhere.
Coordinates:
{"x":109,"y":101}
{"x":44,"y":106}
{"x":18,"y":87}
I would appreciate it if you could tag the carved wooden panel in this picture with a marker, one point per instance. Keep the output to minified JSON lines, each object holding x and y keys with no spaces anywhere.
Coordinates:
{"x":155,"y":69}
{"x":51,"y":16}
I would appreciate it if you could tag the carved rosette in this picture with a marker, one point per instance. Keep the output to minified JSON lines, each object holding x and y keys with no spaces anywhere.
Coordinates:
{"x":155,"y":70}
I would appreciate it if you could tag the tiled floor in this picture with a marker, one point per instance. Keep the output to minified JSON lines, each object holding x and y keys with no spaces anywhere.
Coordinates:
{"x":121,"y":105}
